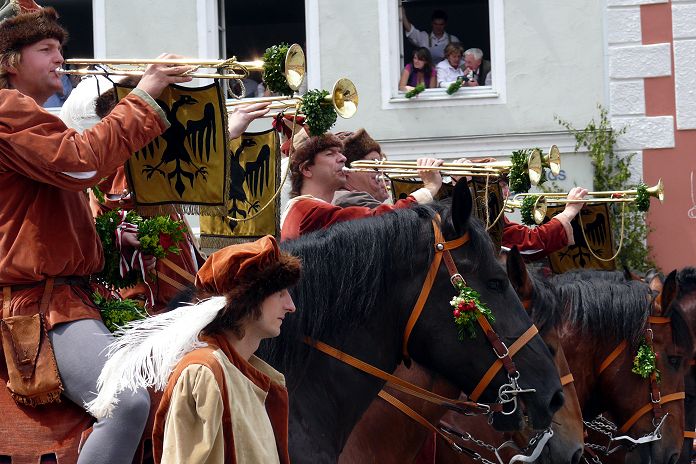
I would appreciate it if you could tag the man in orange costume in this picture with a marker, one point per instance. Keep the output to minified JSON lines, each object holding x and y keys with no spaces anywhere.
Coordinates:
{"x":48,"y":242}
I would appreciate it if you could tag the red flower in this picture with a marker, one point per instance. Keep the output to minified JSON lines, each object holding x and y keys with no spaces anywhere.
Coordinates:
{"x":456,"y":313}
{"x":165,"y":240}
{"x":460,"y":306}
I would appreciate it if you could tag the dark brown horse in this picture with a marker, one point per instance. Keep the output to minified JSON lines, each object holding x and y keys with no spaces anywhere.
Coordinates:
{"x":385,"y":435}
{"x":604,"y":325}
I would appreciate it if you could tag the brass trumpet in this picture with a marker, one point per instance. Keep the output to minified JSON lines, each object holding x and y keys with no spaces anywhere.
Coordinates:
{"x":343,"y":98}
{"x":540,"y":201}
{"x":409,"y":169}
{"x":231,"y":68}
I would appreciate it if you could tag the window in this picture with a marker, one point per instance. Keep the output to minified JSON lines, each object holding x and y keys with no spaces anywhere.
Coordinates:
{"x":476,"y":23}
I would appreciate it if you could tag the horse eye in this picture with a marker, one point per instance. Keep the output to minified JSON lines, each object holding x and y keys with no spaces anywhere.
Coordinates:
{"x":495,"y":285}
{"x":675,"y":361}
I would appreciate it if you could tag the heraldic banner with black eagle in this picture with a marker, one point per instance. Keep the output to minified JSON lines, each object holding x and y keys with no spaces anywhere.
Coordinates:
{"x":186,"y":165}
{"x":591,"y":228}
{"x":251,"y":211}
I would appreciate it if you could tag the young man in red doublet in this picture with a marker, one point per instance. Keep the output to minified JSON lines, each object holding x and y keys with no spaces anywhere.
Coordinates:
{"x":48,"y":242}
{"x":316,"y":173}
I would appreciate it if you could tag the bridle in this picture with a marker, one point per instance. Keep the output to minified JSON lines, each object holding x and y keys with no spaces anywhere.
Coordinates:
{"x":607,"y":428}
{"x":507,"y":393}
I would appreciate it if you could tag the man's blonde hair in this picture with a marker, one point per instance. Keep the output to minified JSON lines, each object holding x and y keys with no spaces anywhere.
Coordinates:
{"x":8,"y":59}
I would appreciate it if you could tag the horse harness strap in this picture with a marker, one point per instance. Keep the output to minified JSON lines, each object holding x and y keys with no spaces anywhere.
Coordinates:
{"x":656,"y":399}
{"x":401,"y":384}
{"x":441,"y":250}
{"x":498,"y":363}
{"x":567,"y":379}
{"x":689,"y":434}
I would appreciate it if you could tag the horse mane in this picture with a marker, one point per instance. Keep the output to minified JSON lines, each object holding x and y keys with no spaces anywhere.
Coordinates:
{"x":605,"y":309}
{"x":614,"y":276}
{"x":686,"y":279}
{"x":348,"y":269}
{"x":546,"y":311}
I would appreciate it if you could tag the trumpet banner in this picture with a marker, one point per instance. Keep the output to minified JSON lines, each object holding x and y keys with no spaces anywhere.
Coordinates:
{"x":488,"y":198}
{"x":598,"y":235}
{"x":187,"y":164}
{"x":254,"y":170}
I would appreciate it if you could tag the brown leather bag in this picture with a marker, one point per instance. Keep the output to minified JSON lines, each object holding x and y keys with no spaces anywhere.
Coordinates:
{"x":31,"y":364}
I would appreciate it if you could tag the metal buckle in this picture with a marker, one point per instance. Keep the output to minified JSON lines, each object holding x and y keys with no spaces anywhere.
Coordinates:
{"x":457,"y":278}
{"x":659,"y":398}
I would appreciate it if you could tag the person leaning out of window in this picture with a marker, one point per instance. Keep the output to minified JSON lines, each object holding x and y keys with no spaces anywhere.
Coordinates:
{"x":418,"y":71}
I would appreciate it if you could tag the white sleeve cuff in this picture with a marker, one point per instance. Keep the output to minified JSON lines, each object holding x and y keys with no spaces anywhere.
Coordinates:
{"x":423,"y":196}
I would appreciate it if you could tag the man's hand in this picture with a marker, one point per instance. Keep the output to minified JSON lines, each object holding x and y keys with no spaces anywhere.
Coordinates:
{"x":130,"y":241}
{"x":572,"y":209}
{"x":158,"y":76}
{"x":432,"y":180}
{"x":241,"y":117}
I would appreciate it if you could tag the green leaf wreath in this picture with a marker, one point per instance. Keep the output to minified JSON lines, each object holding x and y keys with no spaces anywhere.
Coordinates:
{"x":274,"y":69}
{"x":117,"y":313}
{"x":467,"y":304}
{"x":158,"y":236}
{"x":319,"y":115}
{"x":527,"y":210}
{"x":454,"y":86}
{"x":642,"y":197}
{"x":645,"y":362}
{"x":415,"y":91}
{"x":519,"y":171}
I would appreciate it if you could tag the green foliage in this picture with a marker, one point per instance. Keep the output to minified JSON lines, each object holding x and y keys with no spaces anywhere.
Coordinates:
{"x":158,"y":236}
{"x":527,"y":210}
{"x":645,"y":362}
{"x":519,"y":171}
{"x":612,"y":172}
{"x":415,"y":91}
{"x":467,"y":305}
{"x":454,"y":86}
{"x":116,"y":313}
{"x":98,"y":194}
{"x":642,"y":198}
{"x":319,"y":114}
{"x":274,"y":68}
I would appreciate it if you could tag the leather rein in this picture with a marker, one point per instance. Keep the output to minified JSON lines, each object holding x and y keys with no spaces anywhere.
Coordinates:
{"x":507,"y":393}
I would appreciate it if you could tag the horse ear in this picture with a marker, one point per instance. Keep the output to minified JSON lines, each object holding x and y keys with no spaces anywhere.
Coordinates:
{"x":518,"y":274}
{"x":462,"y":205}
{"x":669,"y":291}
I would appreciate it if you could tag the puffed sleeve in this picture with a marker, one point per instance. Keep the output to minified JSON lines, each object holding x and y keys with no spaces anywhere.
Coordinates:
{"x":193,"y":427}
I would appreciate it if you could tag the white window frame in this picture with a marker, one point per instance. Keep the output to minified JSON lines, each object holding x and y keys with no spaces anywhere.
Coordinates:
{"x":391,"y":37}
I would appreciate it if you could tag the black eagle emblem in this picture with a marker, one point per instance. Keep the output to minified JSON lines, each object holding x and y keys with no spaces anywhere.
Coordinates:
{"x":255,"y":174}
{"x":187,"y":147}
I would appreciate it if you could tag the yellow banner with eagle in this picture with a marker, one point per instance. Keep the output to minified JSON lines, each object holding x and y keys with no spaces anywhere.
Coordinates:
{"x":251,"y":210}
{"x":593,"y":238}
{"x":187,"y":165}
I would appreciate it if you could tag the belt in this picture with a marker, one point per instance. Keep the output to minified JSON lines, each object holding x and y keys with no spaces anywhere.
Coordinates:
{"x":68,"y":280}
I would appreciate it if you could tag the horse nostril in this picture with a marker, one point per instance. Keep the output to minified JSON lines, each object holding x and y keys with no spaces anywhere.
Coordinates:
{"x":557,"y":401}
{"x":576,"y":457}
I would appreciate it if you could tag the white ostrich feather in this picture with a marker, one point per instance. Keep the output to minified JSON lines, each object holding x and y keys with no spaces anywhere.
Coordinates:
{"x":146,"y":351}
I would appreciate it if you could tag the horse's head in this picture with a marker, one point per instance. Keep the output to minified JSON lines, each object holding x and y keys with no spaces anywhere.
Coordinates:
{"x":611,"y":332}
{"x":544,"y":307}
{"x":437,"y":342}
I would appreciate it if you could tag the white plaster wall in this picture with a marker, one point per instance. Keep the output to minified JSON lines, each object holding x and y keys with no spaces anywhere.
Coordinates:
{"x":554,"y":65}
{"x":684,"y":34}
{"x":146,"y":28}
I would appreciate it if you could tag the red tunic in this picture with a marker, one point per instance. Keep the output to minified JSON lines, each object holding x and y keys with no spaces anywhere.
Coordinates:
{"x":306,"y":214}
{"x":536,"y":242}
{"x":46,"y":227}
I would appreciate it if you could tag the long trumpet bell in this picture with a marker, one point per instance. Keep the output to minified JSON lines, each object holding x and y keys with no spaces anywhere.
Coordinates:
{"x":343,"y":98}
{"x":535,"y":205}
{"x":552,"y":160}
{"x":294,"y":67}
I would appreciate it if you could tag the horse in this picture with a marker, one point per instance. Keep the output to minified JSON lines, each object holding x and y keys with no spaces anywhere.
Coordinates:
{"x":604,"y":323}
{"x":363,"y":278}
{"x":566,"y":445}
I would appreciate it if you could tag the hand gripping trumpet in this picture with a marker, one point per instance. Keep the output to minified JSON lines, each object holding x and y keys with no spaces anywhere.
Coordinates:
{"x":533,"y":206}
{"x":293,"y":67}
{"x":318,"y":106}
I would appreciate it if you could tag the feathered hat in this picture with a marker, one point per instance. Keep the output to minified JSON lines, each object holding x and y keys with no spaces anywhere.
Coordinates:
{"x":146,"y":352}
{"x":23,"y":22}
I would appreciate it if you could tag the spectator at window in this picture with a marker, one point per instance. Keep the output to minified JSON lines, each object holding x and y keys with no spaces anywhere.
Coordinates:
{"x":436,"y":41}
{"x":476,"y":68}
{"x":419,"y":71}
{"x":449,"y":69}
